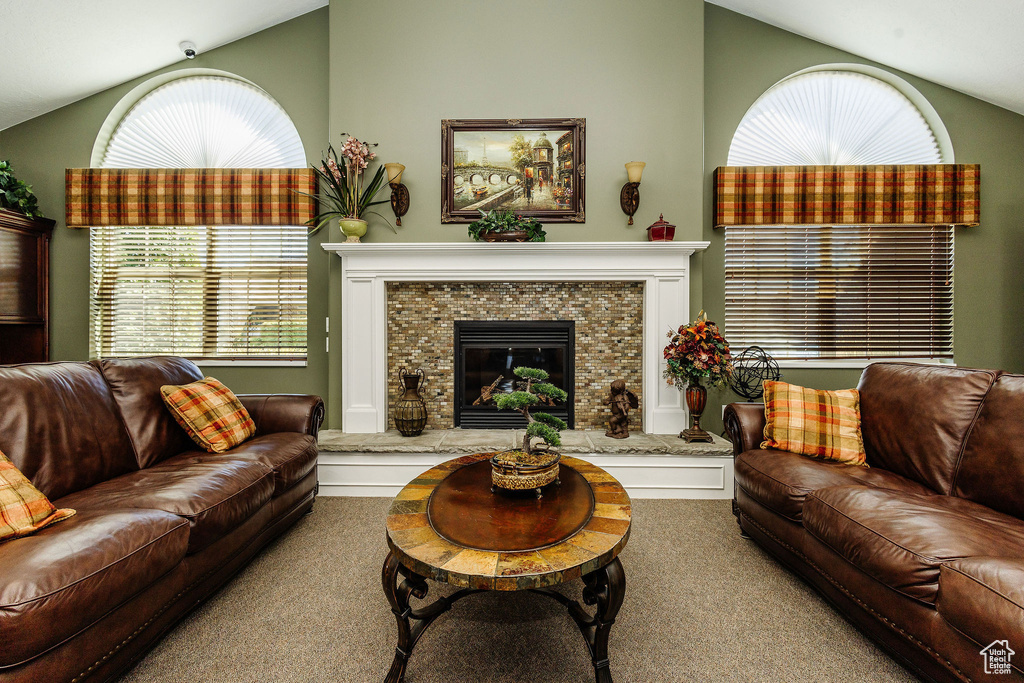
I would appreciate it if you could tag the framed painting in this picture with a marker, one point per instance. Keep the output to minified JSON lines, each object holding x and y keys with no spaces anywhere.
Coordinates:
{"x":535,"y":167}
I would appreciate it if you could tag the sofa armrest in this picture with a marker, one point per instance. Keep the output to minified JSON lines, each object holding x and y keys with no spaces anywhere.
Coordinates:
{"x":284,"y":412}
{"x":744,"y":423}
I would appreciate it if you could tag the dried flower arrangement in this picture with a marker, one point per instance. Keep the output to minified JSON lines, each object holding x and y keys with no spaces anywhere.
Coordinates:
{"x":696,"y":353}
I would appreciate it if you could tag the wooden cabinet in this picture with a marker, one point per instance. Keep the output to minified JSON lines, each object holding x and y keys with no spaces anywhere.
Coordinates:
{"x":24,"y":288}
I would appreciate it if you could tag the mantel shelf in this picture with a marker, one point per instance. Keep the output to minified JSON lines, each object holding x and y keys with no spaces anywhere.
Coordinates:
{"x":516,"y":247}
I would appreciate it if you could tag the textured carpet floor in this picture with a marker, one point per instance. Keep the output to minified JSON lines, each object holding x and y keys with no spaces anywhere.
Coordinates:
{"x":701,"y":604}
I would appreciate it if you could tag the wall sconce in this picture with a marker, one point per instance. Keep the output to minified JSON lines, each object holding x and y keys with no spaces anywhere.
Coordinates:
{"x":399,"y":192}
{"x":629,"y":197}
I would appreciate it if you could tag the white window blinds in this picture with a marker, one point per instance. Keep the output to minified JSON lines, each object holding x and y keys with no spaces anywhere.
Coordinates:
{"x":205,"y":122}
{"x":210,"y":292}
{"x":833,"y":118}
{"x":841,"y":292}
{"x":221,"y":292}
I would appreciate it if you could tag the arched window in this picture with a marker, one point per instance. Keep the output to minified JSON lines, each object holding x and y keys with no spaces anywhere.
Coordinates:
{"x":214,"y":293}
{"x":838,"y":293}
{"x":835,"y":117}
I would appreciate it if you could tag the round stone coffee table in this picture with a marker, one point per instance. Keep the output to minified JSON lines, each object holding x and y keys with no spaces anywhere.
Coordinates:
{"x":446,"y":525}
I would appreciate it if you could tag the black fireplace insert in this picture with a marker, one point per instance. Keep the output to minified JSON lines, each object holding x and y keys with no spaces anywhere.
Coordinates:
{"x":487,"y":352}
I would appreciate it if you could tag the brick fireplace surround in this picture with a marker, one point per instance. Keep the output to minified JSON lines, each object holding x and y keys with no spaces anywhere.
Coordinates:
{"x":609,"y":335}
{"x":377,"y":277}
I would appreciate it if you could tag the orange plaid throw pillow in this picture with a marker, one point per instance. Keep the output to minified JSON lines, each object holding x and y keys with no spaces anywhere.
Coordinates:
{"x":821,"y":424}
{"x":210,"y":413}
{"x":24,"y":509}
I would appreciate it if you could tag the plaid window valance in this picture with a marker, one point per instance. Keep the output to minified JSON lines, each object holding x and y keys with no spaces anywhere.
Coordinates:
{"x":937,"y":194}
{"x":188,"y":196}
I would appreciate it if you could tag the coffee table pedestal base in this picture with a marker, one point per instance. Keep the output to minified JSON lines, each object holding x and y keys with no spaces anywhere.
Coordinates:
{"x":604,"y":589}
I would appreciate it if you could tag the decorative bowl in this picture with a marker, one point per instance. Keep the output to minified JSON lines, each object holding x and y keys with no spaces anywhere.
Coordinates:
{"x":507,"y":236}
{"x":519,"y":471}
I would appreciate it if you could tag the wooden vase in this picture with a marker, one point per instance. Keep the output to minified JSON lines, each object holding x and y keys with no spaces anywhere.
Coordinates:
{"x":696,"y":401}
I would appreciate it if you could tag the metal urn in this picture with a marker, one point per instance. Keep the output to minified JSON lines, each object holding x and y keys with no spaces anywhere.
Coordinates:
{"x":410,"y":411}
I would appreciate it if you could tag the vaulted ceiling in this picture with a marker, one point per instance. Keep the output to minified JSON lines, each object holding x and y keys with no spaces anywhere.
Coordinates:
{"x":974,"y":46}
{"x":57,"y":52}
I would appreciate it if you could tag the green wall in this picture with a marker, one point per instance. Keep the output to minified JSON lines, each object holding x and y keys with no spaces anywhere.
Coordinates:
{"x":632,"y":70}
{"x":289,"y":61}
{"x":635,"y":76}
{"x":744,"y":57}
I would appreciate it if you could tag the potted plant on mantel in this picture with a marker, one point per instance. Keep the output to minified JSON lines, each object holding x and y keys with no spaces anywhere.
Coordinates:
{"x":342,"y":189}
{"x":506,"y":226}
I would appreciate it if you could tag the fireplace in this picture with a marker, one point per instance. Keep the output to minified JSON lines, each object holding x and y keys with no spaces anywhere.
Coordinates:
{"x":487,"y":352}
{"x":359,"y":390}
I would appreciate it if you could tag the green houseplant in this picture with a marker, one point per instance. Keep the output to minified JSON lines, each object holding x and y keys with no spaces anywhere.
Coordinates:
{"x":15,"y":194}
{"x":534,"y":466}
{"x":506,"y":226}
{"x":343,"y":193}
{"x":539,"y":425}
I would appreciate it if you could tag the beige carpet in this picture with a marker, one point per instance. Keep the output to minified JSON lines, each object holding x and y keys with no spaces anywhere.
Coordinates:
{"x":701,"y":604}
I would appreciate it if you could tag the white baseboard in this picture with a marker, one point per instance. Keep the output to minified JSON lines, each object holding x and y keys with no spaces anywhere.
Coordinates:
{"x":643,"y":476}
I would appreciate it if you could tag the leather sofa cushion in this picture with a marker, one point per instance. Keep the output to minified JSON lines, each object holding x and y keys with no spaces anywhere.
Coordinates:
{"x":291,"y":455}
{"x":284,"y":412}
{"x":983,"y":597}
{"x":214,"y":492}
{"x":62,"y":579}
{"x":60,"y":427}
{"x":901,"y":538}
{"x":135,"y":384}
{"x":781,"y":481}
{"x":992,"y":467}
{"x":915,"y":418}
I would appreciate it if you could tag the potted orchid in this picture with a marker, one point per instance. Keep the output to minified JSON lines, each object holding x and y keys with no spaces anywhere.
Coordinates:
{"x":342,"y":189}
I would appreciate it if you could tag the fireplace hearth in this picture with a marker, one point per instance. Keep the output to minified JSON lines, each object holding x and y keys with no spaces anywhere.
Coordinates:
{"x":486,"y":354}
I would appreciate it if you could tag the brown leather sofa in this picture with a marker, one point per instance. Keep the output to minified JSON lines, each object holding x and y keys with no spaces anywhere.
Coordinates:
{"x":923,"y":551}
{"x":160,"y":524}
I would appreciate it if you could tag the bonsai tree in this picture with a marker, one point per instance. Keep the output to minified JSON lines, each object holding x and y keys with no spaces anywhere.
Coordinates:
{"x":539,"y":425}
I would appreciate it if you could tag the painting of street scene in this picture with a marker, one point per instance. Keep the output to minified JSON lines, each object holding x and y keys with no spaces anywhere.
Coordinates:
{"x":530,"y":171}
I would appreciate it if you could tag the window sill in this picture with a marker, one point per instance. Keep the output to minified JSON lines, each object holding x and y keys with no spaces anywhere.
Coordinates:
{"x":857,"y":363}
{"x":250,"y":362}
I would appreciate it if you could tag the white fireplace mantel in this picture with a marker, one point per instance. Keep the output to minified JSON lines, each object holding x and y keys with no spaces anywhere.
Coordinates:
{"x":663,"y":267}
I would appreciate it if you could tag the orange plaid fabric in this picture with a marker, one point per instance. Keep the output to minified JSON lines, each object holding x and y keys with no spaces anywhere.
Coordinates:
{"x":24,"y":509}
{"x":821,"y":424}
{"x":210,"y":413}
{"x":918,"y":194}
{"x":188,"y":196}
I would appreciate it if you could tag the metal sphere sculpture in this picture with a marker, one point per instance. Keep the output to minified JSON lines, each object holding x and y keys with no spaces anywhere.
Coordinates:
{"x":750,"y":369}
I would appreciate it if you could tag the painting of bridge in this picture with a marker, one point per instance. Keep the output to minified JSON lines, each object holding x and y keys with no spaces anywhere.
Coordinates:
{"x":508,"y":164}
